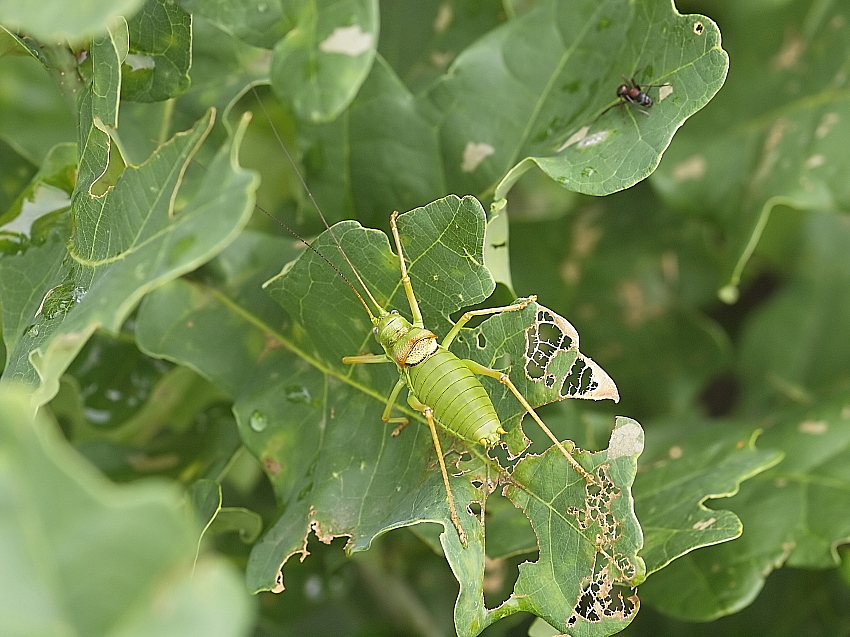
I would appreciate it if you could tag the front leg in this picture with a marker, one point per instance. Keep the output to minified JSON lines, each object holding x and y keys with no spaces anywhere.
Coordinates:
{"x":383,"y":358}
{"x":366,"y":358}
{"x":401,"y":420}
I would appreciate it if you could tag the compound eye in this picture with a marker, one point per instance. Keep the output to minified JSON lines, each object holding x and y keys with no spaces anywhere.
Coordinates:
{"x":375,"y":330}
{"x":393,"y":311}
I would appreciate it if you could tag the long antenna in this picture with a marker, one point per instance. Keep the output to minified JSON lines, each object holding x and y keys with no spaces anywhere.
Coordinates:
{"x":324,"y":258}
{"x":321,"y":215}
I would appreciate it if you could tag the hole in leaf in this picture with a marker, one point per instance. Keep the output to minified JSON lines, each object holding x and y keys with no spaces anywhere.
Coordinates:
{"x":601,"y":598}
{"x":503,"y":361}
{"x":553,"y":358}
{"x":579,"y":380}
{"x":699,"y":27}
{"x":482,"y":342}
{"x":500,"y":576}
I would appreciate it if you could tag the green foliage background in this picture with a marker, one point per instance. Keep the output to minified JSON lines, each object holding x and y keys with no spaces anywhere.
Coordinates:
{"x":715,"y":293}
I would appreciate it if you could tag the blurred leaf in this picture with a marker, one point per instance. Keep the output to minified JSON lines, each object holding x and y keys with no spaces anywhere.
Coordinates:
{"x":245,"y":522}
{"x":257,"y":22}
{"x":420,"y":40}
{"x":794,"y":602}
{"x":795,"y":512}
{"x":123,"y":243}
{"x":17,"y":171}
{"x":53,"y":19}
{"x":94,"y":559}
{"x":384,"y":128}
{"x":795,"y":346}
{"x":320,"y":64}
{"x":34,"y":116}
{"x":181,"y":425}
{"x":776,"y":135}
{"x":634,"y":278}
{"x":156,"y":67}
{"x":205,"y":497}
{"x":116,"y":382}
{"x":679,"y":474}
{"x":40,"y":204}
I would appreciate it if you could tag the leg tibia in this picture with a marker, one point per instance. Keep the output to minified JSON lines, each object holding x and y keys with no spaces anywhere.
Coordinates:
{"x":505,"y":380}
{"x":463,"y":320}
{"x":429,"y":416}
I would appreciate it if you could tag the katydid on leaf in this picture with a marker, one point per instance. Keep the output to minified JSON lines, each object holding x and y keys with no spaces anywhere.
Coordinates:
{"x":444,"y":388}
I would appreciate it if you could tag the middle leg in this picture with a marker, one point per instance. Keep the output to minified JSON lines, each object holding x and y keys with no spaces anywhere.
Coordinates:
{"x":429,"y":416}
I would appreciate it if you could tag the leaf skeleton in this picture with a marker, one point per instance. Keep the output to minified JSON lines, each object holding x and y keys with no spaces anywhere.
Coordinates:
{"x":444,"y":388}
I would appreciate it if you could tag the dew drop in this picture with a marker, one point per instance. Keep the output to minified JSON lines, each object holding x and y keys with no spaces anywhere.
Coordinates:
{"x":259,"y":421}
{"x":59,"y":300}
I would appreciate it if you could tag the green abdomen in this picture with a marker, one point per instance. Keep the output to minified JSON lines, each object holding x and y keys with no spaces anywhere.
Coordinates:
{"x":457,"y":397}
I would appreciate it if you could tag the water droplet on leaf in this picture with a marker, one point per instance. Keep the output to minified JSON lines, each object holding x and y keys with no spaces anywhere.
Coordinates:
{"x":259,"y":421}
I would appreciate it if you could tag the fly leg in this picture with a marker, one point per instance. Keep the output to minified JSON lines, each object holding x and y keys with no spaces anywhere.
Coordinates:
{"x":429,"y":416}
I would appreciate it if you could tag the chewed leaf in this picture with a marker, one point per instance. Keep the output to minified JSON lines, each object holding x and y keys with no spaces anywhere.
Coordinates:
{"x":316,"y":425}
{"x":601,"y":597}
{"x":588,"y":536}
{"x":538,"y":349}
{"x":552,"y":358}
